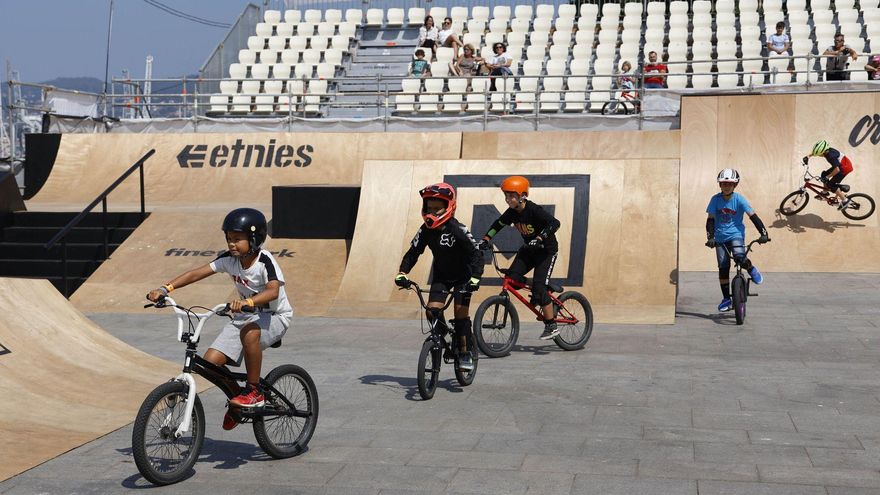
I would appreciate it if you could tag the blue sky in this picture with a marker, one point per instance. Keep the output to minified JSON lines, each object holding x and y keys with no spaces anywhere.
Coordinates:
{"x":45,"y":39}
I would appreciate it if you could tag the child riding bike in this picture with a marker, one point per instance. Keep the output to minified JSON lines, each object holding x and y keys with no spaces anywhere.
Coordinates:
{"x":458,"y":262}
{"x":724,"y":228}
{"x":841,"y":166}
{"x":538,"y":229}
{"x":260,"y":285}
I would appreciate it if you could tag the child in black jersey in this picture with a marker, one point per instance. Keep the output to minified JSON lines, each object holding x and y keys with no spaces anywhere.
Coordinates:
{"x":538,"y":229}
{"x":458,"y":262}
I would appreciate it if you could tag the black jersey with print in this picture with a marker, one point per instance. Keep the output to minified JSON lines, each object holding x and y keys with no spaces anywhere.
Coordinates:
{"x":531,"y":222}
{"x":456,"y":255}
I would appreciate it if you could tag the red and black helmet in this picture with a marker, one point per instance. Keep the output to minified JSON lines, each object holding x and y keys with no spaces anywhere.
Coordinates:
{"x":443,"y":192}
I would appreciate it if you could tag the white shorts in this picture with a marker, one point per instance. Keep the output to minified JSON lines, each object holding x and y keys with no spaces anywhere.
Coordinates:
{"x":272,"y":328}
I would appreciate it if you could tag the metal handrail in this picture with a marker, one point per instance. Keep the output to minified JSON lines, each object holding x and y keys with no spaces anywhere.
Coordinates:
{"x":102,"y":198}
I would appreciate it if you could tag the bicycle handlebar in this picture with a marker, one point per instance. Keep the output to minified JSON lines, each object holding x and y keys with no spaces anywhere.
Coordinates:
{"x":413,"y":286}
{"x":184,"y":314}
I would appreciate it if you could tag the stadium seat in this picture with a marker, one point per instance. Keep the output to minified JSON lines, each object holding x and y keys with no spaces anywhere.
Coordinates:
{"x":325,"y":70}
{"x":579,"y":67}
{"x":850,"y":4}
{"x":237,"y":71}
{"x":395,"y":17}
{"x":459,"y":17}
{"x":601,"y":92}
{"x":725,"y":6}
{"x":241,"y":104}
{"x":491,"y":38}
{"x":633,"y":10}
{"x":292,"y":16}
{"x":303,"y":70}
{"x":333,"y":56}
{"x":543,"y":25}
{"x":272,"y":16}
{"x":555,"y":67}
{"x":312,"y":16}
{"x":820,"y":5}
{"x":576,"y":95}
{"x":589,"y":14}
{"x":701,"y":81}
{"x":564,"y":24}
{"x":264,"y":104}
{"x":415,"y":16}
{"x":316,"y":90}
{"x":544,"y":11}
{"x":306,"y":28}
{"x":291,"y":56}
{"x":284,"y":30}
{"x":250,"y":87}
{"x":247,"y":57}
{"x":438,"y":13}
{"x":559,"y":52}
{"x":822,"y":17}
{"x":341,"y":43}
{"x":498,"y":26}
{"x":219,"y":103}
{"x":480,"y":13}
{"x":354,"y":15}
{"x":319,"y":43}
{"x":453,"y":100}
{"x":501,"y":12}
{"x":263,"y":30}
{"x":550,"y":97}
{"x":228,"y":87}
{"x":348,"y":29}
{"x":375,"y":17}
{"x":476,"y":99}
{"x":277,"y":43}
{"x":523,"y":12}
{"x":566,"y":11}
{"x":476,"y":26}
{"x":281,"y":71}
{"x":520,"y":25}
{"x":256,"y":43}
{"x":260,"y":71}
{"x":333,"y":16}
{"x":429,"y":100}
{"x":474,"y":39}
{"x":326,"y":29}
{"x":726,"y":81}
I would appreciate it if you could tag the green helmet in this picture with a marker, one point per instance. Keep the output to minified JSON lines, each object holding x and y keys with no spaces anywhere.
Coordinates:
{"x":820,"y":147}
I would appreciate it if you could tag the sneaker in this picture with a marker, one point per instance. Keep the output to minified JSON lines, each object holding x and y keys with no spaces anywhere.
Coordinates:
{"x":250,"y":397}
{"x":465,"y":363}
{"x":229,"y":420}
{"x":726,"y":304}
{"x":756,"y":275}
{"x":550,"y":331}
{"x":844,"y":204}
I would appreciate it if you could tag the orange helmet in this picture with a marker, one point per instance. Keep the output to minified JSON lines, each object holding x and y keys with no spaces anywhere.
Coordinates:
{"x":517,"y":184}
{"x":443,"y":192}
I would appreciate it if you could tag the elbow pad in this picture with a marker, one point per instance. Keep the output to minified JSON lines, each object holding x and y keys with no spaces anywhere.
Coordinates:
{"x":710,"y":228}
{"x":759,"y":224}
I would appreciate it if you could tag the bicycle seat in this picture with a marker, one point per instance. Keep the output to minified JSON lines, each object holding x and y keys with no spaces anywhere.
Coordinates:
{"x":844,"y":187}
{"x":276,"y":345}
{"x":555,"y":288}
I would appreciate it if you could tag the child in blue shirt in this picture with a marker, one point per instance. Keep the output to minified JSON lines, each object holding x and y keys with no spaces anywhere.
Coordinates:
{"x":724,"y":227}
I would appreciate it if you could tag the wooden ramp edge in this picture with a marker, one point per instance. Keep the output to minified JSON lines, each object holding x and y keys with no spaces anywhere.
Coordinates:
{"x":72,"y":381}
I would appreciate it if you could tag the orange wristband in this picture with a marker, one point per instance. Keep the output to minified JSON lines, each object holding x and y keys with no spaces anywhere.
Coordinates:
{"x":250,"y":302}
{"x":169,"y":288}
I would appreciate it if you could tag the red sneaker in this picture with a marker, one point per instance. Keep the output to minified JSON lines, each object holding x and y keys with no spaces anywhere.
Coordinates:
{"x":250,"y":397}
{"x":229,"y":421}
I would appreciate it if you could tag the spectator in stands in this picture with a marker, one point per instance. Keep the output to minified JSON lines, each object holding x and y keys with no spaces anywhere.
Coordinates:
{"x":420,"y":67}
{"x":778,"y":43}
{"x":625,"y":79}
{"x":428,"y":36}
{"x":654,"y":67}
{"x":446,"y":37}
{"x":873,"y":68}
{"x":467,"y":65}
{"x":837,"y":62}
{"x":499,"y":64}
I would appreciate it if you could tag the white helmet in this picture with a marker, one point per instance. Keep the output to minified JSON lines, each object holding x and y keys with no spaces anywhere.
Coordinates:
{"x":728,"y":175}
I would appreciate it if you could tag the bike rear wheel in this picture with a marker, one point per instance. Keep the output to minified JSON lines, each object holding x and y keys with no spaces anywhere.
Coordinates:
{"x":616,"y":107}
{"x":740,"y":293}
{"x":465,"y":378}
{"x":429,"y":369}
{"x":496,"y":326}
{"x":860,"y":207}
{"x":573,"y":336}
{"x":288,"y":433}
{"x":794,"y":202}
{"x":159,"y":455}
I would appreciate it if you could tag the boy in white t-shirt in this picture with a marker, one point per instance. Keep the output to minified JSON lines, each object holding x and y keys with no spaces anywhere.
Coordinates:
{"x":260,"y":285}
{"x":779,"y":43}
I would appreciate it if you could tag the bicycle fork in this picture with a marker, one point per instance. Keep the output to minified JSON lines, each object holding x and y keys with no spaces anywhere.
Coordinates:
{"x":186,"y":378}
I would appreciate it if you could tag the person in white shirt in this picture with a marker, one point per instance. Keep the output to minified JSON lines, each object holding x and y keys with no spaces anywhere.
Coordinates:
{"x":447,"y":37}
{"x":428,"y":36}
{"x":779,"y":43}
{"x":499,"y":64}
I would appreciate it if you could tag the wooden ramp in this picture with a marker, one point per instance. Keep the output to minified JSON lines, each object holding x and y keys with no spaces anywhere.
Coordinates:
{"x":764,"y":138}
{"x":71,"y":381}
{"x":618,"y":238}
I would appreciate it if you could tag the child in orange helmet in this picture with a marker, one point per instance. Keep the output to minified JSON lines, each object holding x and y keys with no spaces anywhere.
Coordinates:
{"x":538,"y":229}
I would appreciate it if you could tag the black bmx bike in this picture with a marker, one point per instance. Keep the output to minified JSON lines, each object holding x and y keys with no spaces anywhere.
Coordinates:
{"x":740,"y":285}
{"x":439,"y":347}
{"x":169,"y":428}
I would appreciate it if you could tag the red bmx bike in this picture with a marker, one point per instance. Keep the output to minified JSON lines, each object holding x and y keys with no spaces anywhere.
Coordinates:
{"x":496,"y":322}
{"x":860,"y":207}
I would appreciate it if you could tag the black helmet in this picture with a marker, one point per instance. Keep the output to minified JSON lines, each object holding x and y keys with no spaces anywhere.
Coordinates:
{"x":249,"y":221}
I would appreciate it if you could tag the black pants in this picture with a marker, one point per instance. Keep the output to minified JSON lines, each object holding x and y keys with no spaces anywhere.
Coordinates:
{"x":834,"y":182}
{"x":836,"y":75}
{"x":542,"y":261}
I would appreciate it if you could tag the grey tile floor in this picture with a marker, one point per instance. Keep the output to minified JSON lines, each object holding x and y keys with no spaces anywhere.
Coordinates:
{"x":786,"y":404}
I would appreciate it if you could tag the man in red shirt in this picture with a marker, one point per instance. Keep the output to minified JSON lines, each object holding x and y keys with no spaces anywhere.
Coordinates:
{"x":652,"y":69}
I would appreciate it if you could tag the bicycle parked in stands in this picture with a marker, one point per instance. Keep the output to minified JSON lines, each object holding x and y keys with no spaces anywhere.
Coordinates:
{"x":496,"y":321}
{"x":169,"y":428}
{"x":624,"y":104}
{"x":860,"y":207}
{"x":438,"y":348}
{"x":740,"y":285}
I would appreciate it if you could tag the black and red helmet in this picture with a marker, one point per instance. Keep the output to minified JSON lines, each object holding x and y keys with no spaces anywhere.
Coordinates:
{"x":443,"y":192}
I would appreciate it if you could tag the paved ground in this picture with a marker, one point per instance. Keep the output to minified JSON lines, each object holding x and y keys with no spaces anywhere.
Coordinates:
{"x":786,"y":404}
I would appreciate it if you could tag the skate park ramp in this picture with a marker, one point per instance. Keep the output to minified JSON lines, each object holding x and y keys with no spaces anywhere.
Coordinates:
{"x":764,"y":138}
{"x":65,"y":380}
{"x":617,"y":240}
{"x":191,"y":184}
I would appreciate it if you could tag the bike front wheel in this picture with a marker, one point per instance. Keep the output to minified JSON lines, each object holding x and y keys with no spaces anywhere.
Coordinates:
{"x":465,"y":378}
{"x":496,"y":326}
{"x":429,"y":369}
{"x":287,"y":430}
{"x":860,"y":207}
{"x":615,"y":107}
{"x":573,"y":336}
{"x":740,"y":293}
{"x":160,"y":456}
{"x":794,"y":202}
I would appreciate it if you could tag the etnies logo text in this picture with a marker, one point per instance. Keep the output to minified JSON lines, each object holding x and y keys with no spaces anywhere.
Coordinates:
{"x":245,"y":155}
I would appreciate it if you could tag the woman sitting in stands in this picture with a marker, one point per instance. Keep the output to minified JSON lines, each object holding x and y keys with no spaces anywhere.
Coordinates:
{"x":428,"y":36}
{"x":466,"y":65}
{"x":499,"y":65}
